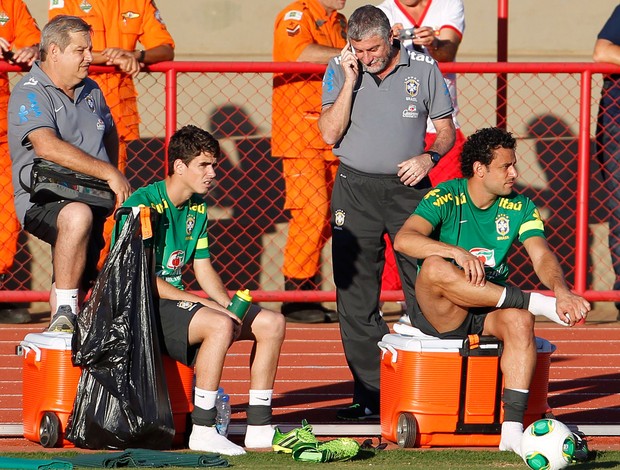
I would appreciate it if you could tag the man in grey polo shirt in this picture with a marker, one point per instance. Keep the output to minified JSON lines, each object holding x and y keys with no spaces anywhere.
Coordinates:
{"x":58,"y":114}
{"x":376,"y":99}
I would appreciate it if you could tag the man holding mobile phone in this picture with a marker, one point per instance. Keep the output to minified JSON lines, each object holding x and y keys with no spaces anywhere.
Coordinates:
{"x":376,"y":100}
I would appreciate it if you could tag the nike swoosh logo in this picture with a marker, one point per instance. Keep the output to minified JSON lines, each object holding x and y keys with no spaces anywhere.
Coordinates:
{"x":56,"y":110}
{"x":262,"y":399}
{"x":462,"y":221}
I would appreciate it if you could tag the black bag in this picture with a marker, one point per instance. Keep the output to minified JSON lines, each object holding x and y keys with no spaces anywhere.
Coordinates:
{"x":51,"y":182}
{"x":122,"y":398}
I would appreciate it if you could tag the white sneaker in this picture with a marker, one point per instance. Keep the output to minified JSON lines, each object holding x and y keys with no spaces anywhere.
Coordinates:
{"x":512,"y":432}
{"x":207,"y":439}
{"x":404,"y":319}
{"x":259,"y":437}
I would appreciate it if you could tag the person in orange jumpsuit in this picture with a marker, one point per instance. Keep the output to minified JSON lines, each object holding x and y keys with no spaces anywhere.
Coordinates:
{"x":305,"y":31}
{"x":118,"y":27}
{"x":19,"y":44}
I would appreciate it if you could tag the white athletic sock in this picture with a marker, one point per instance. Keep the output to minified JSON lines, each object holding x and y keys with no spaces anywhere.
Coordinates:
{"x":512,"y":432}
{"x":207,"y":439}
{"x":68,"y":297}
{"x":544,"y":305}
{"x":260,"y":397}
{"x":501,"y":298}
{"x":259,"y":437}
{"x":204,"y":399}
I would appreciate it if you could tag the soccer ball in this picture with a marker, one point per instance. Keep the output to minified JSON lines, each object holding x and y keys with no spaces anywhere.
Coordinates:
{"x":547,"y":444}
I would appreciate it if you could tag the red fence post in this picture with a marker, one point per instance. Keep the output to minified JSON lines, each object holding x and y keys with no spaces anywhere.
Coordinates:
{"x":583,"y":184}
{"x":502,"y":56}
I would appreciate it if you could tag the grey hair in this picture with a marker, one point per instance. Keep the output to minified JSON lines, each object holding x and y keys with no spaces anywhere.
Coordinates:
{"x":58,"y":31}
{"x":369,"y":21}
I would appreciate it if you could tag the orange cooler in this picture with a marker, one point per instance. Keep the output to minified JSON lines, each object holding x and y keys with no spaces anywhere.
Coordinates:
{"x":180,"y":381}
{"x":445,"y":392}
{"x":49,"y":385}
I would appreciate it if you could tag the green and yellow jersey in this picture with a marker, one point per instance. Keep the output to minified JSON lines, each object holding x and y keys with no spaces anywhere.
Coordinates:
{"x":486,"y":233}
{"x":180,"y":233}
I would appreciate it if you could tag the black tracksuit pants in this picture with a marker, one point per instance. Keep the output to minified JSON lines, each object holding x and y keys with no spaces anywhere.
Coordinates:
{"x":364,"y":207}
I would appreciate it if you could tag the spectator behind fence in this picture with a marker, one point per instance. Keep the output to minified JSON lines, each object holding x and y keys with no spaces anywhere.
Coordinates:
{"x":438,"y":27}
{"x":376,"y":99}
{"x":607,"y":49}
{"x":60,"y":115}
{"x":19,"y":44}
{"x":118,"y":27}
{"x":463,"y":231}
{"x":305,"y":31}
{"x":196,"y":330}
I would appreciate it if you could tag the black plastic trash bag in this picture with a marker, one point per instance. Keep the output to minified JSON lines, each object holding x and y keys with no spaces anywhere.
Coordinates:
{"x":122,"y":399}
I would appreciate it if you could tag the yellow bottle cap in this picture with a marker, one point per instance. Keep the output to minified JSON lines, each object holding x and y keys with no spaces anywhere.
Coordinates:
{"x":244,"y":295}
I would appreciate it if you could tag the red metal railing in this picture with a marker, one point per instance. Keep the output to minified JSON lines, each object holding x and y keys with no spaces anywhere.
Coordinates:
{"x":483,"y":99}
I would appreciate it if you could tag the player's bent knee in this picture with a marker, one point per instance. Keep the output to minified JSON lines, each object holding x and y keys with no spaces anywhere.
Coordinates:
{"x":271,"y":326}
{"x":518,"y":323}
{"x":212,"y":322}
{"x":435,"y":268}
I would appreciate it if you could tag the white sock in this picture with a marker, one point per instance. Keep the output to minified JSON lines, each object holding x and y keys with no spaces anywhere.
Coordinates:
{"x":204,"y":399}
{"x":259,"y":437}
{"x":544,"y":305}
{"x":260,"y":397}
{"x":512,"y":432}
{"x":68,"y":297}
{"x":501,"y":298}
{"x":207,"y":439}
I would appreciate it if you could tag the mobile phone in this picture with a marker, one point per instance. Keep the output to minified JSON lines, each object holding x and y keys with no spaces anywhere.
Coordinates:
{"x":407,"y":34}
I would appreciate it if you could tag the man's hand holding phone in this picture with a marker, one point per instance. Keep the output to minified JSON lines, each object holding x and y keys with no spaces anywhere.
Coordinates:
{"x":348,"y":62}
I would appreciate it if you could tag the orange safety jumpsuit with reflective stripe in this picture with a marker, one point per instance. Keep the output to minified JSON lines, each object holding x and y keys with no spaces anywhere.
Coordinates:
{"x":120,"y":24}
{"x":297,"y":97}
{"x":19,"y":28}
{"x":308,"y":163}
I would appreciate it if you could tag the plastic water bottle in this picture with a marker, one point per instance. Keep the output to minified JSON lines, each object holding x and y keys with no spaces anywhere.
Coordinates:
{"x":218,"y":401}
{"x":223,"y":415}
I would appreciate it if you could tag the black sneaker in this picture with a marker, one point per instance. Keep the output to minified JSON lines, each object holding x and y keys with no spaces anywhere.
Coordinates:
{"x":303,"y":312}
{"x":11,"y":313}
{"x":356,"y":412}
{"x":63,"y":321}
{"x":582,"y":452}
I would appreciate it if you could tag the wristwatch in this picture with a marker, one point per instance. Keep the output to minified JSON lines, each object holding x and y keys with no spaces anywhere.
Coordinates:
{"x":435,"y":157}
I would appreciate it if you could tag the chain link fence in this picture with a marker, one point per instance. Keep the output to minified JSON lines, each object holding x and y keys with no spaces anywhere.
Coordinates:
{"x":545,"y":110}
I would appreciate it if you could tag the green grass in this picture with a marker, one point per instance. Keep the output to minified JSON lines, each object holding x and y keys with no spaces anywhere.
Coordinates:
{"x":435,"y":459}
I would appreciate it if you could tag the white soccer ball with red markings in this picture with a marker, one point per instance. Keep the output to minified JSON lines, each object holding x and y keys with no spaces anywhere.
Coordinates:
{"x":547,"y":444}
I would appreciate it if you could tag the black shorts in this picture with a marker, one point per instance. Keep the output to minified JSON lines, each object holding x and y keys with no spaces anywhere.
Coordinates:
{"x":41,"y":221}
{"x":174,"y":319}
{"x":472,"y":325}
